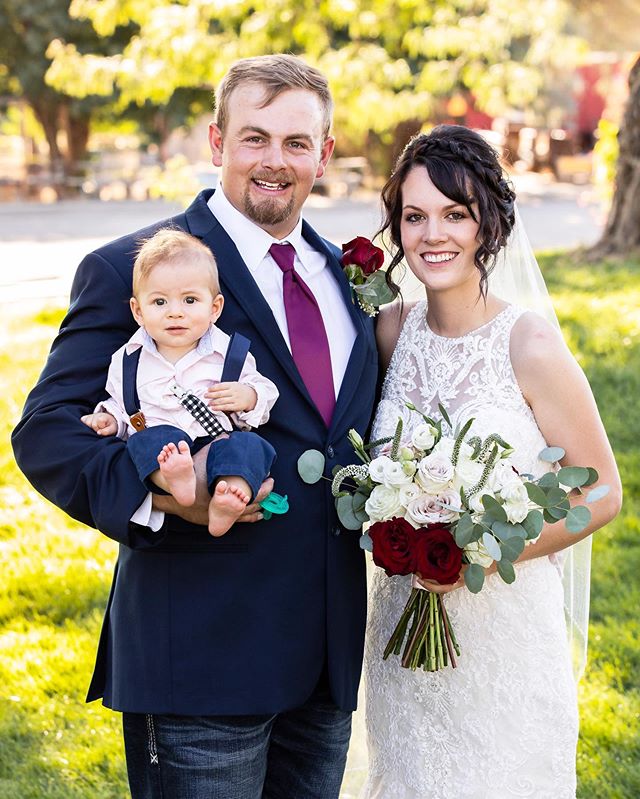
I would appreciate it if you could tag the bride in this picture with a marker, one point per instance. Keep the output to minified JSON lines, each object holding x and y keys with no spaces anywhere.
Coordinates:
{"x":504,"y":723}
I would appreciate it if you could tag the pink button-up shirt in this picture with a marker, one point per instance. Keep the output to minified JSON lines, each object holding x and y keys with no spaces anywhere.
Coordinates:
{"x":196,"y":372}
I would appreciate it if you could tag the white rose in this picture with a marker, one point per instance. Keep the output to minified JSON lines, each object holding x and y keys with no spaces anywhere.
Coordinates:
{"x":475,"y":504}
{"x":395,"y":475}
{"x":515,"y":493}
{"x":516,"y":511}
{"x":467,"y":473}
{"x":503,"y":475}
{"x":424,"y":436}
{"x":435,"y":472}
{"x":430,"y":509}
{"x":476,"y":552}
{"x":383,"y":503}
{"x":408,"y":492}
{"x":444,"y":446}
{"x":450,"y":498}
{"x":377,"y":468}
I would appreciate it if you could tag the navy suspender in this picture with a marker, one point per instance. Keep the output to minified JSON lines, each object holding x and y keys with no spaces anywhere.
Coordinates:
{"x":234,"y":360}
{"x":130,"y":388}
{"x":231,"y":371}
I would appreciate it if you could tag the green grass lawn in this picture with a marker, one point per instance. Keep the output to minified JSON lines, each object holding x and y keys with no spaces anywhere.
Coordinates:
{"x":56,"y":575}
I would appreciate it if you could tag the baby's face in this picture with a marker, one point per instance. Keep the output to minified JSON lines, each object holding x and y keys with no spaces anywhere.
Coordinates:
{"x":176,"y":304}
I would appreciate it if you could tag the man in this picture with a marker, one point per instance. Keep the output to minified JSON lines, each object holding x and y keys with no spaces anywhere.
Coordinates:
{"x":235,"y":660}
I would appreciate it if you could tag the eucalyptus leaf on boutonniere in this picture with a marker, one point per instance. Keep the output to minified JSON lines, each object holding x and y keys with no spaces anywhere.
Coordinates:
{"x":362,"y":261}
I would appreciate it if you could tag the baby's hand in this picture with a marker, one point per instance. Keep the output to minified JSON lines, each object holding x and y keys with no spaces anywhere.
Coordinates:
{"x":229,"y":397}
{"x":103,"y":423}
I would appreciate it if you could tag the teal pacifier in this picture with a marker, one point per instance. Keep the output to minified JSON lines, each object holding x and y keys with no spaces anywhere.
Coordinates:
{"x":274,"y":503}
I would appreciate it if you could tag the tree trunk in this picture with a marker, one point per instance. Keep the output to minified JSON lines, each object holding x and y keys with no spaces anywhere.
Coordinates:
{"x":48,"y":115}
{"x":622,"y":231}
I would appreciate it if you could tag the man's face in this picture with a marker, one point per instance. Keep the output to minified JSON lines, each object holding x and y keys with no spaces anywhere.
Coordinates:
{"x":271,"y":156}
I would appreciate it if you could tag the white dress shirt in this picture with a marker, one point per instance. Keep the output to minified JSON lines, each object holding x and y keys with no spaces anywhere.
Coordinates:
{"x":253,"y":245}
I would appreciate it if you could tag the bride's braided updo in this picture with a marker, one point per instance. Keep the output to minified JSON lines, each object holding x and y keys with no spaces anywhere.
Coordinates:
{"x":465,"y":168}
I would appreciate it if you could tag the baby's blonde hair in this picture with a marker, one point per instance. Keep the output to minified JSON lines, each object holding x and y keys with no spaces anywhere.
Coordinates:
{"x":172,"y":245}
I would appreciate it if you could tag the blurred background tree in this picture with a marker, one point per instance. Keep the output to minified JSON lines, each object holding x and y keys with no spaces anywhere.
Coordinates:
{"x":392,"y":64}
{"x":616,"y":26}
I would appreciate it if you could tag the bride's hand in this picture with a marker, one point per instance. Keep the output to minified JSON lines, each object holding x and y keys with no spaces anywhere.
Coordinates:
{"x":438,"y":588}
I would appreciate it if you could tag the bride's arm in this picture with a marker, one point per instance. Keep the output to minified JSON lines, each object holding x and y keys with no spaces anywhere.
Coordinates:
{"x":566,"y":412}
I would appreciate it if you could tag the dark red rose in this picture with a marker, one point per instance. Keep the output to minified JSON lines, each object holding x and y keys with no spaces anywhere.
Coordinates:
{"x":394,"y":546}
{"x":361,"y":252}
{"x":438,"y":557}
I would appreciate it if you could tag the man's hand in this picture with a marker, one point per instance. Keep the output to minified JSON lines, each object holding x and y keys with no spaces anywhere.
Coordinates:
{"x":198,"y":513}
{"x":231,"y":397}
{"x":103,"y":423}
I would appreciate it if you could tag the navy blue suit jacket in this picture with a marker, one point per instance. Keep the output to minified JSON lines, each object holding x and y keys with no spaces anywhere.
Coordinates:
{"x":241,"y":624}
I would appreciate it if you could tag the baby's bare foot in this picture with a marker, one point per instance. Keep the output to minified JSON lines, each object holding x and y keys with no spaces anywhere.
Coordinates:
{"x":176,"y":466}
{"x":227,"y":505}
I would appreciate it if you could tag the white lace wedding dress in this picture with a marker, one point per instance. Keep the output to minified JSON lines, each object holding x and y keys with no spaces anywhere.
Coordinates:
{"x":504,"y":723}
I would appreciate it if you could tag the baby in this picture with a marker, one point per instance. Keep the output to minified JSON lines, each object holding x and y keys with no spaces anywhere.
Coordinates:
{"x":176,"y":301}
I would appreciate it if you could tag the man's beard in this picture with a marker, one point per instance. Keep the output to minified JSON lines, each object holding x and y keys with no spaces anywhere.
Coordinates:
{"x":268,"y":212}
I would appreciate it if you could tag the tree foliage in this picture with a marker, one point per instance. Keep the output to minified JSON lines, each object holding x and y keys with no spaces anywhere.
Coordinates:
{"x":387,"y":60}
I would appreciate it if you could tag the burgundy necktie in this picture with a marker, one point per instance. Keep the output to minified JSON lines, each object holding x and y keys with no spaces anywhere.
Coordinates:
{"x":307,"y":334}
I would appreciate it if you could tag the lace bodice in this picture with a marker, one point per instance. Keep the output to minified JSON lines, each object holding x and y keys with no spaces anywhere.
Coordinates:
{"x":470,"y":376}
{"x":503,"y":724}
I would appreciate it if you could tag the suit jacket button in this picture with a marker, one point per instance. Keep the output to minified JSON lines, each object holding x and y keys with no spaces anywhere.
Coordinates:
{"x":336,"y":531}
{"x":330,"y":451}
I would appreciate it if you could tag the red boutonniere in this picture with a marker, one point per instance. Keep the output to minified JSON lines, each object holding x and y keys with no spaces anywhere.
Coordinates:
{"x":362,"y":261}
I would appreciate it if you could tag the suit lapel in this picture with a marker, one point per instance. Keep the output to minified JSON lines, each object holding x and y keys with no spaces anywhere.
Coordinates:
{"x":237,"y":280}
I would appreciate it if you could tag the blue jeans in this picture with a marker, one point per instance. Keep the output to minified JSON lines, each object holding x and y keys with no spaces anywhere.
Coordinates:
{"x":298,"y":754}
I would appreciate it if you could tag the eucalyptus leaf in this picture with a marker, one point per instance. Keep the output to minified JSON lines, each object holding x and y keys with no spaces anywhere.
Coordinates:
{"x":492,"y":546}
{"x":597,"y":493}
{"x":503,"y":530}
{"x":552,"y":454}
{"x":366,"y":542}
{"x":557,"y":496}
{"x":513,"y":548}
{"x":493,"y":509}
{"x":533,"y":524}
{"x":478,"y":532}
{"x":464,"y":530}
{"x":556,"y":513}
{"x":536,"y":494}
{"x":348,"y":519}
{"x":593,"y":476}
{"x":548,"y":480}
{"x":506,"y":570}
{"x":311,"y":466}
{"x":359,"y":500}
{"x":474,"y":578}
{"x":577,"y":519}
{"x":573,"y":476}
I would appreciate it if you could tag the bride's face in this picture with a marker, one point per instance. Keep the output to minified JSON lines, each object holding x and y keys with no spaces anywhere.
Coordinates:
{"x":439,"y":236}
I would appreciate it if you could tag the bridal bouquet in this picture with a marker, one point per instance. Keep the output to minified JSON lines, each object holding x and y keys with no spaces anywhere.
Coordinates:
{"x":442,"y":501}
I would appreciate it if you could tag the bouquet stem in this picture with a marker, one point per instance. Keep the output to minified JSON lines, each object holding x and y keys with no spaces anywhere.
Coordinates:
{"x":426,"y":628}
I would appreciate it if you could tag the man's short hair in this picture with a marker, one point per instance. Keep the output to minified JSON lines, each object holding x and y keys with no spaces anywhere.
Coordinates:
{"x":276,"y":73}
{"x":172,"y":245}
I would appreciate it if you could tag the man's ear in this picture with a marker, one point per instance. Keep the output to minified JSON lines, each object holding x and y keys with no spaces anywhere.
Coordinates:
{"x":325,"y":155}
{"x":215,"y":143}
{"x":135,"y":310}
